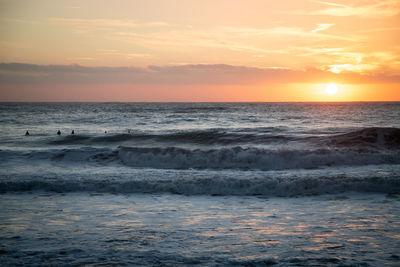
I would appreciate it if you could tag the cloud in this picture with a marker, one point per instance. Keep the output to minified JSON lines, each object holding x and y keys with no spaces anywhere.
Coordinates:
{"x":181,"y":74}
{"x":289,"y":31}
{"x":218,"y":74}
{"x":322,"y":27}
{"x":373,"y":9}
{"x":331,"y":4}
{"x":125,"y":55}
{"x":80,"y":58}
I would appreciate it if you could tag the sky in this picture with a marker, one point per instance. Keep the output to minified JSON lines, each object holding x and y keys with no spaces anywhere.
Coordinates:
{"x":199,"y":50}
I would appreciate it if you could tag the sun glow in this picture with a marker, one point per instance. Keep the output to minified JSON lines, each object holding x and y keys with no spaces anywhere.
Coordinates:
{"x":331,"y":89}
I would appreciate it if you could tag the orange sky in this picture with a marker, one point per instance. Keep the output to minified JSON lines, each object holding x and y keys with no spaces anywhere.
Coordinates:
{"x":209,"y":50}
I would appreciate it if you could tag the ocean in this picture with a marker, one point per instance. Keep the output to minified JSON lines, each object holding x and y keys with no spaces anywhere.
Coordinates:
{"x":205,"y":184}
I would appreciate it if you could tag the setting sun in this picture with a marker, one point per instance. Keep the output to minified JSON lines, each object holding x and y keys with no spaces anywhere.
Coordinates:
{"x":331,"y":89}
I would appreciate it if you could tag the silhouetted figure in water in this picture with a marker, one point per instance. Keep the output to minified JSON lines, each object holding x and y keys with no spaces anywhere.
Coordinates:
{"x":58,"y":132}
{"x":27,"y":133}
{"x":105,"y":131}
{"x":73,"y":132}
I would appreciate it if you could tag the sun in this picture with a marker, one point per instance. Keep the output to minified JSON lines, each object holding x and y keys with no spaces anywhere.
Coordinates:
{"x":331,"y":89}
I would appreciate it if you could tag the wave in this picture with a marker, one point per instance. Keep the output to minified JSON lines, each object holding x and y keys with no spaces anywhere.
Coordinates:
{"x":248,"y":158}
{"x":210,"y":184}
{"x":219,"y":158}
{"x":378,"y":137}
{"x":206,"y":137}
{"x":374,"y":136}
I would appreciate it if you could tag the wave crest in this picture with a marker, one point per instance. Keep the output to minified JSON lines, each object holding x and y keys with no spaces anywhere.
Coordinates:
{"x":378,"y":137}
{"x":218,"y":184}
{"x":219,"y":158}
{"x":250,"y":158}
{"x":374,"y":136}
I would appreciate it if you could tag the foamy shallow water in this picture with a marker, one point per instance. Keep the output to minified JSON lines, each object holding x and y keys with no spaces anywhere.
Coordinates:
{"x":164,"y":229}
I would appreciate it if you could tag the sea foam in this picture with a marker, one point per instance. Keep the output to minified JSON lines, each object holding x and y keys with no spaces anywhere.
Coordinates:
{"x":251,"y":158}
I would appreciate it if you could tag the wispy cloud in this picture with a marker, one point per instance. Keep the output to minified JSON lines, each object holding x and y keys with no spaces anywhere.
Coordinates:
{"x":289,"y":31}
{"x":322,"y":27}
{"x":340,"y":54}
{"x":182,"y":38}
{"x":382,"y":8}
{"x":330,"y":3}
{"x":80,"y":58}
{"x":359,"y":68}
{"x":125,"y":55}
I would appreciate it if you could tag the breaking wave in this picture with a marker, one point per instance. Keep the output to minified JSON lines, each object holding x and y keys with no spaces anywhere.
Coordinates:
{"x":246,"y":158}
{"x":210,"y":184}
{"x":207,"y":137}
{"x":219,"y":158}
{"x":367,"y":137}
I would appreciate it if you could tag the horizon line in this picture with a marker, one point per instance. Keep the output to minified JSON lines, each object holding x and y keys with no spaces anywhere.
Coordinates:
{"x":311,"y":101}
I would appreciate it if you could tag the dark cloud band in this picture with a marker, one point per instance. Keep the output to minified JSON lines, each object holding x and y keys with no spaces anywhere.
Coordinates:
{"x":20,"y":73}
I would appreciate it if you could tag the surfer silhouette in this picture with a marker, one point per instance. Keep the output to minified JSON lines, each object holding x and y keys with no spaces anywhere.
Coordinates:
{"x":73,"y":132}
{"x":27,"y":133}
{"x":58,"y":132}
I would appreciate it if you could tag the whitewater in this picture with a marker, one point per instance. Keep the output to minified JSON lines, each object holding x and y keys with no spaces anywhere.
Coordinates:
{"x":207,"y":184}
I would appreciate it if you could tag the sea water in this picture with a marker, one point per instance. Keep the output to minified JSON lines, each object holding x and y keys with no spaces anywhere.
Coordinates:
{"x":207,"y":184}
